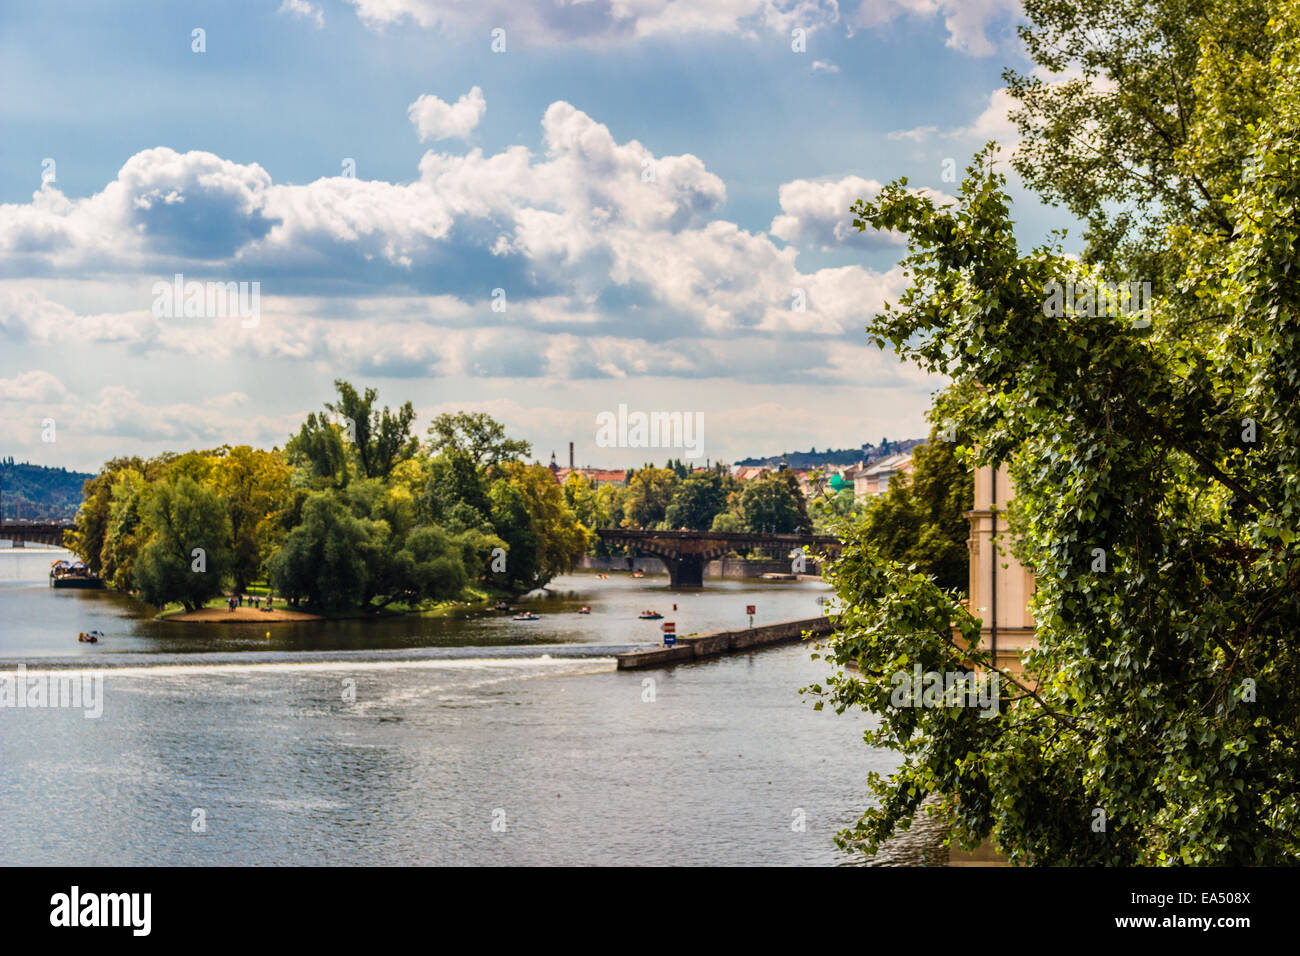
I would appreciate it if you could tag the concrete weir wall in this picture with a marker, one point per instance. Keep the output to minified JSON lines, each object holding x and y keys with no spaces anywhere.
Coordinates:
{"x":725,"y":642}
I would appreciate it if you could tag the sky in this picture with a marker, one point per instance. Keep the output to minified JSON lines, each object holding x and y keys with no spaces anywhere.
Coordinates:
{"x":540,"y":209}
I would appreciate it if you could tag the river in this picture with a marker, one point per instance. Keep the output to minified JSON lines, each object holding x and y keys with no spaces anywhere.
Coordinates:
{"x":466,"y":739}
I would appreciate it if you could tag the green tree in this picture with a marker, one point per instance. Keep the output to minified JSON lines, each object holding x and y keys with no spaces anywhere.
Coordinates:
{"x":320,"y":449}
{"x":187,"y":555}
{"x":123,"y":535}
{"x":254,"y":485}
{"x":1158,"y":485}
{"x":648,"y":494}
{"x":580,"y":496}
{"x":378,"y":439}
{"x":727,"y":522}
{"x":456,"y":494}
{"x":773,"y":504}
{"x":828,"y":510}
{"x":542,"y":534}
{"x":608,"y":507}
{"x":919,"y":520}
{"x":92,"y":525}
{"x":1135,"y":75}
{"x":697,"y":501}
{"x":429,"y":565}
{"x":595,"y":506}
{"x":479,"y":436}
{"x":523,"y":546}
{"x":327,"y":560}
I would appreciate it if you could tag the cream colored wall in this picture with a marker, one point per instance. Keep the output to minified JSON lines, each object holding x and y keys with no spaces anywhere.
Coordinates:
{"x":1015,"y":584}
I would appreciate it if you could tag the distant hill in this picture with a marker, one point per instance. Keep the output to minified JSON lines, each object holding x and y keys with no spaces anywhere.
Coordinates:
{"x":812,"y":458}
{"x":37,"y":492}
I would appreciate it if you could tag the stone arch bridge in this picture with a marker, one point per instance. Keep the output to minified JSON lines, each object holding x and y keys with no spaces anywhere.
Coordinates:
{"x":687,"y":552}
{"x":22,"y":533}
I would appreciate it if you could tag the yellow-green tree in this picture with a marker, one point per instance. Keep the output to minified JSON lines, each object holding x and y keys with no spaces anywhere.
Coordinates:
{"x":543,"y":536}
{"x":254,"y":486}
{"x":187,"y":554}
{"x":647,"y":497}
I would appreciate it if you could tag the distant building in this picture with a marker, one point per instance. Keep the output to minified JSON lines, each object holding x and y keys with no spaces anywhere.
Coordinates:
{"x":601,"y":476}
{"x":749,"y":472}
{"x":1000,"y":586}
{"x":812,"y":481}
{"x":875,"y":479}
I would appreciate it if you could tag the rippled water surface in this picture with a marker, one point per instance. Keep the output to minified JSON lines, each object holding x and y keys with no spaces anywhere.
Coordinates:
{"x":402,"y":741}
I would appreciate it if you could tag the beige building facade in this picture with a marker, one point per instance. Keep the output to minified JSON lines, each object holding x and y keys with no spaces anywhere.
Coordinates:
{"x":1000,"y":587}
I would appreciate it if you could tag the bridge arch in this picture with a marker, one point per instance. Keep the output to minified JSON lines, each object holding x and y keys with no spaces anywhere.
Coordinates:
{"x":685,"y":553}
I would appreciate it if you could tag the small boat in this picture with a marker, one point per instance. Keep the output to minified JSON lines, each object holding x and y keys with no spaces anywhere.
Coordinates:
{"x":90,"y":637}
{"x":637,"y":574}
{"x":526,"y":616}
{"x":584,"y":610}
{"x":650,"y":615}
{"x":502,"y":606}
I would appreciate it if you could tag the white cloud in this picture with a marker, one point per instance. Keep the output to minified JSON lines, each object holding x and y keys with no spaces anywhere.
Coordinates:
{"x":825,"y":66}
{"x":301,"y":8}
{"x":436,"y":119}
{"x":817,"y":212}
{"x":32,"y":386}
{"x":994,"y":122}
{"x":530,"y":22}
{"x":967,"y":21}
{"x":96,"y":425}
{"x":917,"y":134}
{"x":613,"y":260}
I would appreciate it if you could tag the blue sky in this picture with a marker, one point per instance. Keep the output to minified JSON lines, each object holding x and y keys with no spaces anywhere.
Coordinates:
{"x":475,"y":170}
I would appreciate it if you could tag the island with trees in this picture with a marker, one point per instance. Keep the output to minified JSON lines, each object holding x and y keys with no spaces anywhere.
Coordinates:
{"x":354,"y":514}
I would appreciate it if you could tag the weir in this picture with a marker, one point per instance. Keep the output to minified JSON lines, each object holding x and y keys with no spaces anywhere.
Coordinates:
{"x":700,"y":646}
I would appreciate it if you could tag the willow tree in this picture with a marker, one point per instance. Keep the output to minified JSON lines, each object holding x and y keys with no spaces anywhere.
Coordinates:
{"x":1156,"y":458}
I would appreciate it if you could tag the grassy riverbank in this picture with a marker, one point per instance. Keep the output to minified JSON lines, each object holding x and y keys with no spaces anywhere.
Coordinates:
{"x":217,"y":611}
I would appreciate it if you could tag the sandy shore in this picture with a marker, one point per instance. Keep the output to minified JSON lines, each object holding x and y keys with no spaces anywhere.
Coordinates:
{"x":242,"y":615}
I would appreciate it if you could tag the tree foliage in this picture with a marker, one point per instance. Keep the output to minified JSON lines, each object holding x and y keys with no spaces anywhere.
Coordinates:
{"x":542,"y":534}
{"x":476,"y":435}
{"x":699,"y":498}
{"x":378,"y":439}
{"x":920,"y":520}
{"x":187,"y":557}
{"x":647,"y":496}
{"x":1158,"y":484}
{"x":327,"y":560}
{"x":774,"y":504}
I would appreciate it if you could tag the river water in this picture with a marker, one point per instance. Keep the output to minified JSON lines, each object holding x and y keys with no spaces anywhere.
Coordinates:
{"x":468,"y":739}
